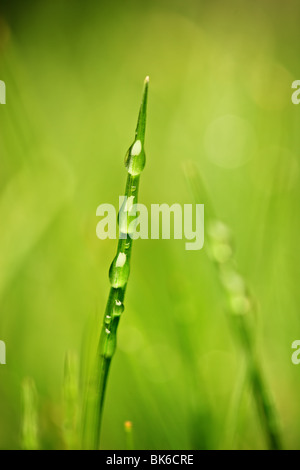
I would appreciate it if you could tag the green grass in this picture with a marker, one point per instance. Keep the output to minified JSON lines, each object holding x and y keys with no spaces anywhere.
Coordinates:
{"x":221,"y":96}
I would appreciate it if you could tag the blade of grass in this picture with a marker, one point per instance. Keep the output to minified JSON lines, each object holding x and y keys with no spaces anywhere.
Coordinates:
{"x":30,"y":416}
{"x":118,"y":277}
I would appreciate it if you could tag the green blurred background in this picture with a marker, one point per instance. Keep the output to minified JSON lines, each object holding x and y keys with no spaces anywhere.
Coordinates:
{"x":220,"y":95}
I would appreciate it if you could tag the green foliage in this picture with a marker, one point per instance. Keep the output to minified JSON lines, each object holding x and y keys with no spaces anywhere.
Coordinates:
{"x":221,"y":76}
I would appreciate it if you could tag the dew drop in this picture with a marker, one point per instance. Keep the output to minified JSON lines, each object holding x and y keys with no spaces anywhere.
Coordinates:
{"x":219,"y":231}
{"x":107,"y":343}
{"x":118,"y":308}
{"x":121,"y":260}
{"x":135,"y":158}
{"x":232,"y":281}
{"x":221,"y":252}
{"x":240,"y":304}
{"x":136,"y":148}
{"x":119,"y":271}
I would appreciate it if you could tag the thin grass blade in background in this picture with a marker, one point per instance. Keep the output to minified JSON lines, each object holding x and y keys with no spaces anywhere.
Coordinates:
{"x":241,"y":306}
{"x":30,"y":416}
{"x":71,"y":401}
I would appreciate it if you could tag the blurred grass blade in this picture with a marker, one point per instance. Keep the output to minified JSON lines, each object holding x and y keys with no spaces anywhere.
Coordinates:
{"x":71,"y":401}
{"x":240,"y":307}
{"x":231,"y":427}
{"x":30,"y":416}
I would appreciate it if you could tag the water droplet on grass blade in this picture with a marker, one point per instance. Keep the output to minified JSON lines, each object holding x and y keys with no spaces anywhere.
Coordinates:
{"x":221,"y":252}
{"x":119,"y":271}
{"x":107,"y":343}
{"x":240,"y":304}
{"x":118,"y":308}
{"x":135,"y":158}
{"x":219,"y":231}
{"x":136,"y":148}
{"x":232,"y":281}
{"x":121,"y":260}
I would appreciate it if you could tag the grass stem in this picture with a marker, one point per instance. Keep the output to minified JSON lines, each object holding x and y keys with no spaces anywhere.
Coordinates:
{"x":118,"y":275}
